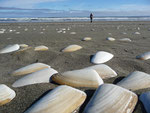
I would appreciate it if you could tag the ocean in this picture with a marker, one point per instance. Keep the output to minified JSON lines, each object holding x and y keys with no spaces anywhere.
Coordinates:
{"x":75,"y":19}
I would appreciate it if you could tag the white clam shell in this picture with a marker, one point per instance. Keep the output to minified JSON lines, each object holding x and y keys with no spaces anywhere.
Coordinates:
{"x":71,"y":48}
{"x":125,"y":39}
{"x":110,"y":98}
{"x":110,"y":39}
{"x":41,"y":76}
{"x":145,"y":98}
{"x":79,"y":78}
{"x":135,"y":81}
{"x":137,"y":33}
{"x":144,"y":56}
{"x":30,"y":69}
{"x":72,"y":33}
{"x":101,"y":57}
{"x":103,"y":70}
{"x":10,"y":48}
{"x":63,"y":99}
{"x":6,"y":94}
{"x":41,"y":48}
{"x":86,"y":39}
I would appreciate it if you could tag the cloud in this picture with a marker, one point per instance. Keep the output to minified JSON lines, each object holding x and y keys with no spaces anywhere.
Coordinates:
{"x":24,"y":3}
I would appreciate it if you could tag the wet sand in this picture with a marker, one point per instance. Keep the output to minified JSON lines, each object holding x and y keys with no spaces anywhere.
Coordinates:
{"x":124,"y":61}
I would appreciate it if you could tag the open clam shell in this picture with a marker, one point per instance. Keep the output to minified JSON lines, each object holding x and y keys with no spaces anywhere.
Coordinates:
{"x":103,"y":70}
{"x":144,"y":56}
{"x":41,"y":76}
{"x":101,"y":57}
{"x":145,"y":98}
{"x":71,"y":48}
{"x":10,"y":48}
{"x":110,"y":39}
{"x":110,"y":98}
{"x":30,"y":68}
{"x":86,"y":39}
{"x":63,"y":99}
{"x":135,"y":81}
{"x":41,"y":48}
{"x":6,"y":94}
{"x":125,"y":39}
{"x":79,"y":78}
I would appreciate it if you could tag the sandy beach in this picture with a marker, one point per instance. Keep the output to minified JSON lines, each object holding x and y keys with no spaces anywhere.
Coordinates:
{"x":36,"y":34}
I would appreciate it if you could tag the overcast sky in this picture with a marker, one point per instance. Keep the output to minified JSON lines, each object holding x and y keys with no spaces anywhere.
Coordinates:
{"x":59,"y":8}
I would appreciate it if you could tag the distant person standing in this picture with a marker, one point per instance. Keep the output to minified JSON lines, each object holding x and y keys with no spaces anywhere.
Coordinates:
{"x":91,"y":17}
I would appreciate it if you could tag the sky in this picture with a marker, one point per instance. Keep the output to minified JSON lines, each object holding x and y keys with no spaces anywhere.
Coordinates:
{"x":73,"y":8}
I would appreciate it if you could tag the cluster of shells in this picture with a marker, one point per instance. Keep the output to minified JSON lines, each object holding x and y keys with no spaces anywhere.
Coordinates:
{"x":108,"y":98}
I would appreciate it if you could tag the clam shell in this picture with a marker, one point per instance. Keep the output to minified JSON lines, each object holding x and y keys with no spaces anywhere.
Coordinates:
{"x":41,"y":48}
{"x":110,"y":39}
{"x":86,"y":39}
{"x":71,"y":48}
{"x":137,"y":33}
{"x":101,"y":57}
{"x":110,"y":98}
{"x":72,"y":33}
{"x":30,"y":68}
{"x":103,"y":70}
{"x":145,"y":98}
{"x":23,"y":45}
{"x":10,"y":48}
{"x":135,"y":81}
{"x":79,"y":78}
{"x":63,"y":99}
{"x":144,"y":56}
{"x":6,"y":94}
{"x":41,"y":76}
{"x":125,"y":39}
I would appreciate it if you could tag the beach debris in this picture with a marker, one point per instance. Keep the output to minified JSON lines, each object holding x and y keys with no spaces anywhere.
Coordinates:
{"x":144,"y":56}
{"x":41,"y":32}
{"x":64,"y":32}
{"x":41,"y":76}
{"x":26,"y":29}
{"x":23,"y":45}
{"x":101,"y":57}
{"x":103,"y":70}
{"x":72,"y":33}
{"x":124,"y":33}
{"x":60,"y":31}
{"x":138,"y":28}
{"x":137,"y":33}
{"x":86,"y":39}
{"x":145,"y":99}
{"x":125,"y":39}
{"x":10,"y":30}
{"x":71,"y":48}
{"x":17,"y":32}
{"x":110,"y":98}
{"x":135,"y":81}
{"x":10,"y":48}
{"x":6,"y":94}
{"x":2,"y":31}
{"x":62,"y":99}
{"x":79,"y":78}
{"x":110,"y":39}
{"x":41,"y":48}
{"x":30,"y":69}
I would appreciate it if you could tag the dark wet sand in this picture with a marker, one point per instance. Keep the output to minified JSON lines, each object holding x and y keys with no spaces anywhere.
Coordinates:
{"x":123,"y":63}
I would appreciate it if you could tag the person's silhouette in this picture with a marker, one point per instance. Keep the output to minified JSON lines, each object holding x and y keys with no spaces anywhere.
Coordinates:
{"x":91,"y":17}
